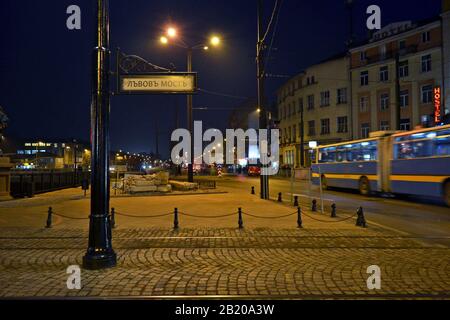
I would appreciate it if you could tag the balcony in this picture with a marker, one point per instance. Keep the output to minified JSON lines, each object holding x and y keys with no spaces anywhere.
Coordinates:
{"x":389,"y":55}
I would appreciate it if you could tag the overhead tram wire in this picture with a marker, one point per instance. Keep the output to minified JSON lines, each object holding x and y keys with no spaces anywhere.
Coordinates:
{"x":222,"y":94}
{"x":270,"y":21}
{"x":273,"y":34}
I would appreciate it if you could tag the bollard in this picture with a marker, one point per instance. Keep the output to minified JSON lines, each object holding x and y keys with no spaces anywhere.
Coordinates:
{"x":295,"y":201}
{"x":240,"y":222}
{"x":299,"y":218}
{"x":253,"y":190}
{"x":113,"y":218}
{"x":314,"y":205}
{"x":360,"y":220}
{"x":49,"y":218}
{"x":279,"y":197}
{"x":175,"y":219}
{"x":333,"y":210}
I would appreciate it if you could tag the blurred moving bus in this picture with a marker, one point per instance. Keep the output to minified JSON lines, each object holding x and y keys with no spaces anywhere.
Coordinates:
{"x":414,"y":162}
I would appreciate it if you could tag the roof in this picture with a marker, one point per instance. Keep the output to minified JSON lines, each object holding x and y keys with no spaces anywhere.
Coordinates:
{"x":416,"y":24}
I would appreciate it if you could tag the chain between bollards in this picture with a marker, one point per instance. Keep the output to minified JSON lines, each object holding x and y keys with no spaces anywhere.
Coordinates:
{"x":175,"y":219}
{"x":299,"y":218}
{"x":49,"y":218}
{"x":240,"y":221}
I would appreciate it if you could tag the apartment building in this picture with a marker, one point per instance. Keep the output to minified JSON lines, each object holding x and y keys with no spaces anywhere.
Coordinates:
{"x":315,"y":105}
{"x":394,"y":77}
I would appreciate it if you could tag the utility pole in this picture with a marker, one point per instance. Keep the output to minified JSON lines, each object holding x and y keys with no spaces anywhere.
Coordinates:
{"x":264,"y":179}
{"x":156,"y":138}
{"x":397,"y":91}
{"x":302,"y":136}
{"x":350,"y":4}
{"x":190,"y":121}
{"x":100,"y":253}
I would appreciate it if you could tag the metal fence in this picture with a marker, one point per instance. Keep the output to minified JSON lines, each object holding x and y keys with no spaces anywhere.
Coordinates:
{"x":28,"y":183}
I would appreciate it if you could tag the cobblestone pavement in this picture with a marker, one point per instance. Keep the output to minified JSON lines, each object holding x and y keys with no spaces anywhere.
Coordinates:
{"x":227,"y":262}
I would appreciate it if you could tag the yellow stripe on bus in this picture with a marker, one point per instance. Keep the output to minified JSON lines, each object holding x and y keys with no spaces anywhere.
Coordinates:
{"x":345,"y":176}
{"x":416,"y":178}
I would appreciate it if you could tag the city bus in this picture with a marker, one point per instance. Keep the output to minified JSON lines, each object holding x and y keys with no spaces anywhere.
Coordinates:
{"x":413,"y":162}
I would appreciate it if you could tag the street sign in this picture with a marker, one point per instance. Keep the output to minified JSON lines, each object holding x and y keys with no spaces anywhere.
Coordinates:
{"x":158,"y":82}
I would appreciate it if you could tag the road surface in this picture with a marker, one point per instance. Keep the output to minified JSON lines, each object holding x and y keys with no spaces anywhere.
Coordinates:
{"x":426,"y":219}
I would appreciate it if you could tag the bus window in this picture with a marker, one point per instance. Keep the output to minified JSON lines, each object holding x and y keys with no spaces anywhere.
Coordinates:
{"x":341,"y":154}
{"x":327,"y":155}
{"x":363,"y":151}
{"x":403,"y":151}
{"x":422,"y":145}
{"x":442,"y":143}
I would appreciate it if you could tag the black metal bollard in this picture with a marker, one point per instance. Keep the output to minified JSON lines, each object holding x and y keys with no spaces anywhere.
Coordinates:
{"x":253,"y":190}
{"x":113,"y":218}
{"x":314,"y":205}
{"x":299,"y":218}
{"x":360,"y":220}
{"x":49,"y":218}
{"x":279,"y":197}
{"x":333,"y":210}
{"x":175,"y":219}
{"x":295,"y":201}
{"x":240,"y":221}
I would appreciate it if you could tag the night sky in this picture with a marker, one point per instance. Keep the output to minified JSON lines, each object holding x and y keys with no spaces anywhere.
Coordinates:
{"x":45,"y":68}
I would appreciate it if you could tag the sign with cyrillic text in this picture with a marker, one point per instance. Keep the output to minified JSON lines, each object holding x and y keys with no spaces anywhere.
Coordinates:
{"x":170,"y":82}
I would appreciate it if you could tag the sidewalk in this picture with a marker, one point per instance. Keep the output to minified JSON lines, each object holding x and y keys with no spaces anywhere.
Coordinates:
{"x":257,"y":213}
{"x":210,"y":257}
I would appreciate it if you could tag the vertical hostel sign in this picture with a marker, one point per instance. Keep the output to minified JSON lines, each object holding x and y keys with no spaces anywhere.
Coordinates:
{"x":437,"y":104}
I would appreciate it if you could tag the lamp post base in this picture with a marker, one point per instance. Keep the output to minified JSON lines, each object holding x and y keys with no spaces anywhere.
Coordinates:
{"x":101,"y":260}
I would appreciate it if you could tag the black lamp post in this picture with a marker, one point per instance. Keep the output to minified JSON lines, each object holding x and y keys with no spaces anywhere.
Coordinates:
{"x":100,"y":253}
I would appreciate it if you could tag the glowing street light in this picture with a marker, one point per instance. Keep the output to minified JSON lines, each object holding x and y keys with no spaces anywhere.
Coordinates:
{"x":164,"y":40}
{"x":215,"y":41}
{"x":172,"y":32}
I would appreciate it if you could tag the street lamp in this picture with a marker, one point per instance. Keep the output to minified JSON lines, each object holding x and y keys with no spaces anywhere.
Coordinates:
{"x":214,"y":41}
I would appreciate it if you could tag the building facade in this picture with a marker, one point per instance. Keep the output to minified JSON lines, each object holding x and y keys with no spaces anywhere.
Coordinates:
{"x":399,"y":79}
{"x":314,"y":106}
{"x":52,"y":155}
{"x":394,"y":78}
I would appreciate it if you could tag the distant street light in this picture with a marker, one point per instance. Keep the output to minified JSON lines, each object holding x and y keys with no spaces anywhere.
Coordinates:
{"x":172,"y":33}
{"x":164,"y":40}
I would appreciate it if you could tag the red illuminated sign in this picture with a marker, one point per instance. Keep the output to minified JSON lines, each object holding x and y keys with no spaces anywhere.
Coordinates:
{"x":437,"y":105}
